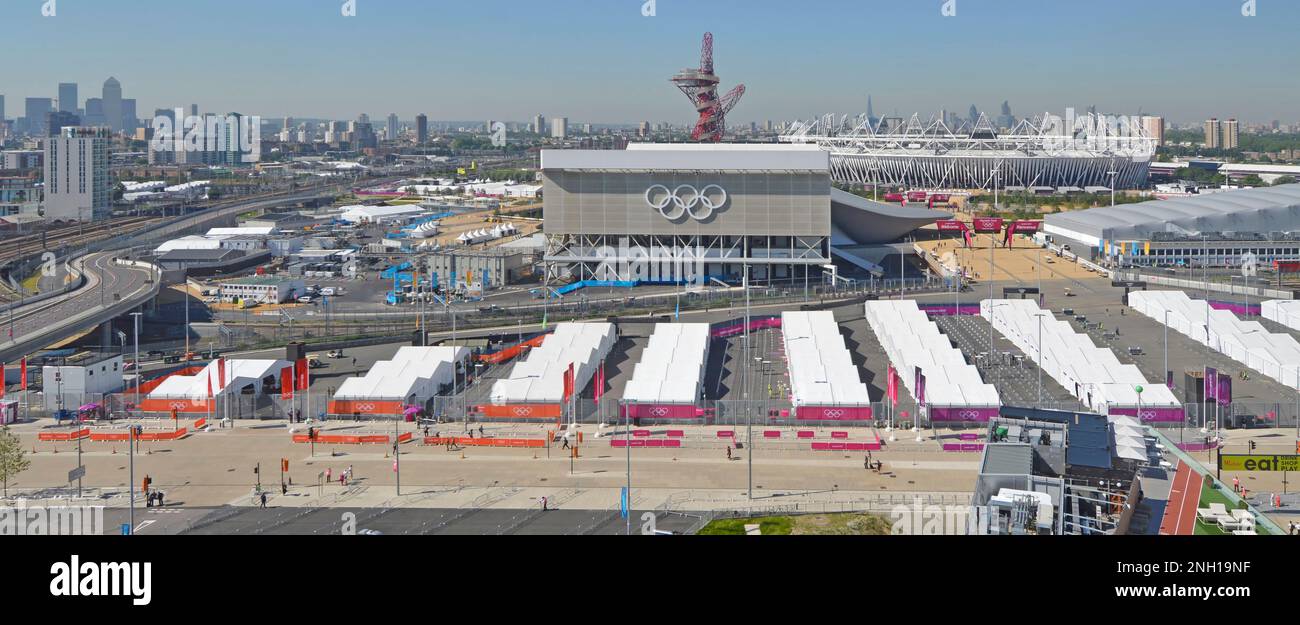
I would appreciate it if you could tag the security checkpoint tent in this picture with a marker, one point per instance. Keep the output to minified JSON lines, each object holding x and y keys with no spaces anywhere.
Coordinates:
{"x":668,"y":380}
{"x":823,"y":380}
{"x":1247,"y":342}
{"x":189,"y":393}
{"x":954,"y":389}
{"x":1285,"y":312}
{"x":413,"y":377}
{"x":1092,"y":374}
{"x":538,"y":380}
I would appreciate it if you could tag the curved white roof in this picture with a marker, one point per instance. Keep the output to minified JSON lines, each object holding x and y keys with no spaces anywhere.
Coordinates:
{"x":1267,"y":209}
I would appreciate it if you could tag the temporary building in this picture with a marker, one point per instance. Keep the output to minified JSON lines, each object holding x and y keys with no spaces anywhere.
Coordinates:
{"x":823,"y":380}
{"x":189,"y":393}
{"x":954,"y":389}
{"x":667,"y":381}
{"x":413,"y":377}
{"x":535,"y":387}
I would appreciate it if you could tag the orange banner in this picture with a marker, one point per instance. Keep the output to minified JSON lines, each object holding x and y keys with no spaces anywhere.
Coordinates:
{"x":359,"y":406}
{"x":183,"y":406}
{"x":486,"y":442}
{"x":520,"y":411}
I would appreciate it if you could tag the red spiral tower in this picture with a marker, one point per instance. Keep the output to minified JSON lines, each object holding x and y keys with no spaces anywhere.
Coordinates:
{"x":701,"y":86}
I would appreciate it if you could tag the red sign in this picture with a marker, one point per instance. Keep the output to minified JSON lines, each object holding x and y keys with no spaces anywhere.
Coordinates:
{"x":24,"y":374}
{"x":950,"y":225}
{"x":2,"y":380}
{"x":286,"y":383}
{"x":988,"y":225}
{"x":1286,"y":266}
{"x":1021,"y":227}
{"x":304,"y":379}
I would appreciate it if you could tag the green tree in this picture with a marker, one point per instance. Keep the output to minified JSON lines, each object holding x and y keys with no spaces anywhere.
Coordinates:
{"x":13,"y":459}
{"x":1284,"y":180}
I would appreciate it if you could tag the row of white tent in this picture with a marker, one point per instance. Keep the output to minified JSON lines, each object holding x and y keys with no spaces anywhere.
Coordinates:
{"x":821,"y":369}
{"x":540,"y":377}
{"x":1247,"y":342}
{"x":1283,"y":311}
{"x":482,"y":236}
{"x":912,"y":340}
{"x":425,"y":230}
{"x":1092,"y":374}
{"x":414,"y":375}
{"x":238,"y":375}
{"x":671,"y":369}
{"x":1130,"y":438}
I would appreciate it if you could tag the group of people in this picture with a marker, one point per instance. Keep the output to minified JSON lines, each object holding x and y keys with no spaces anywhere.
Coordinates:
{"x":345,"y":475}
{"x":153,"y":499}
{"x":871,"y":465}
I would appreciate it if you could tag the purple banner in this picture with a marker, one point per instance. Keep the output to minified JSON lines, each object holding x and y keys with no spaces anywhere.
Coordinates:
{"x":978,"y":415}
{"x":1211,"y":383}
{"x":1224,"y":393}
{"x":833,"y":413}
{"x":949,"y":310}
{"x":739,"y":328}
{"x":1237,"y":308}
{"x":1160,"y":414}
{"x":920,"y":386}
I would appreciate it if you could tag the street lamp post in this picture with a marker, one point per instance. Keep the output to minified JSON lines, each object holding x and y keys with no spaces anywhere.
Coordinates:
{"x":135,"y":322}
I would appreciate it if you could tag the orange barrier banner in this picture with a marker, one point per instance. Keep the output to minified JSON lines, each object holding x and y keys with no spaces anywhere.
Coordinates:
{"x":182,"y":406}
{"x":485,"y":442}
{"x":198,"y":425}
{"x":405,"y":438}
{"x":63,"y":436}
{"x":338,"y":439}
{"x":510,"y":353}
{"x":349,"y":406}
{"x":146,"y":436}
{"x":520,"y":411}
{"x":104,"y":436}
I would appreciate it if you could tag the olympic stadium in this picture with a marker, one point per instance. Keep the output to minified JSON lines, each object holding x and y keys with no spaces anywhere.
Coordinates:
{"x":1035,"y":153}
{"x":708,"y":211}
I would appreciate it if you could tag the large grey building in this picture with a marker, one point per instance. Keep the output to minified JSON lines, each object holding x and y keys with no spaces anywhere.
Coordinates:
{"x":77,"y":182}
{"x":699,"y":211}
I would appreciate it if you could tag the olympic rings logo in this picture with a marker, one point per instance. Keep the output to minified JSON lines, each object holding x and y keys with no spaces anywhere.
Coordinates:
{"x":969,"y":414}
{"x":365,"y":407}
{"x":659,"y":412}
{"x":177,"y":405}
{"x":686,"y":199}
{"x":523,"y":411}
{"x":834,"y":413}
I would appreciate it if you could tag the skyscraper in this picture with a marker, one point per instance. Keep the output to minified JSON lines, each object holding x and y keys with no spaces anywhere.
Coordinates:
{"x":1231,"y":134}
{"x":2,"y":109}
{"x":112,"y":98}
{"x":37,"y":111}
{"x":422,"y":129}
{"x":1213,"y":133}
{"x":56,"y":121}
{"x":539,"y":125}
{"x":560,"y":128}
{"x":77,"y":185}
{"x":392,"y":127}
{"x":68,"y":101}
{"x":1154,"y":126}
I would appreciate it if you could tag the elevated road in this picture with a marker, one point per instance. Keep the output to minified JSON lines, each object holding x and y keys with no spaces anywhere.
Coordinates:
{"x":113,"y":287}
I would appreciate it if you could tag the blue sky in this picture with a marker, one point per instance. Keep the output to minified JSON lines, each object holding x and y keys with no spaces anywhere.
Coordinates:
{"x":602,"y":61}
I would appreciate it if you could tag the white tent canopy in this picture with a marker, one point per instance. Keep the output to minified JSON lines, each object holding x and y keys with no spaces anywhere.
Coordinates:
{"x":1092,"y":374}
{"x":415,"y":374}
{"x":239,"y":374}
{"x":1247,"y":342}
{"x":540,"y":377}
{"x":671,"y":369}
{"x":911,"y":340}
{"x":821,"y":369}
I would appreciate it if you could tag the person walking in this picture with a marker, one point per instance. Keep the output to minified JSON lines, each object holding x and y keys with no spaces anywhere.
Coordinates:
{"x":545,"y":503}
{"x":728,"y":452}
{"x":329,"y":475}
{"x":263,"y":500}
{"x":566,"y":442}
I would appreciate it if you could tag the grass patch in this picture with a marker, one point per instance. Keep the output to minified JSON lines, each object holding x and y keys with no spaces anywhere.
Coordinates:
{"x":839,"y":524}
{"x":1213,"y":495}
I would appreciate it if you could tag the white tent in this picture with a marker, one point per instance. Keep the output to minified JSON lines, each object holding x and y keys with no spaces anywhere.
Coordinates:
{"x":239,"y":374}
{"x":821,"y":369}
{"x":414,"y":375}
{"x":671,"y":369}
{"x":540,"y":377}
{"x":911,"y":340}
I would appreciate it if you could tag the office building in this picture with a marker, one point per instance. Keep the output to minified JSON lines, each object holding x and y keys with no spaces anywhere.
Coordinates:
{"x":1154,"y":126}
{"x":392,"y":127}
{"x":56,"y":121}
{"x":560,"y":128}
{"x":77,"y":184}
{"x":1213,"y":133}
{"x":539,"y":125}
{"x":68,"y":97}
{"x":112,"y":99}
{"x":1231,"y":135}
{"x":38,"y":109}
{"x":422,"y":129}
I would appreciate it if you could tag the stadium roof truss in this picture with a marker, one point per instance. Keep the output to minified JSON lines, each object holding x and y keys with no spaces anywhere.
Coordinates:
{"x":931,"y":154}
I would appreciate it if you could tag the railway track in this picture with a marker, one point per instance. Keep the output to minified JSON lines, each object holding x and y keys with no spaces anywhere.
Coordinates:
{"x":70,"y":236}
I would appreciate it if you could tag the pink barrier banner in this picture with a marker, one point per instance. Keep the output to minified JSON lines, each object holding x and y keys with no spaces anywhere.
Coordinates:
{"x":739,"y":328}
{"x":676,"y":433}
{"x":1152,"y":414}
{"x":839,"y":434}
{"x":661,"y":411}
{"x":771,"y":434}
{"x":641,"y":433}
{"x":979,"y":415}
{"x":726,"y":434}
{"x":653,"y":442}
{"x":833,"y":413}
{"x":807,"y":434}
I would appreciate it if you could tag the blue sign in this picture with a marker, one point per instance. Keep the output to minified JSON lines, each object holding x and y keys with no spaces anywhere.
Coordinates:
{"x":126,"y":529}
{"x":623,"y":501}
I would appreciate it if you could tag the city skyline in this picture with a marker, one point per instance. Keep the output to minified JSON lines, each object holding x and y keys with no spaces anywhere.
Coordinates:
{"x":1143,"y":63}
